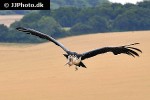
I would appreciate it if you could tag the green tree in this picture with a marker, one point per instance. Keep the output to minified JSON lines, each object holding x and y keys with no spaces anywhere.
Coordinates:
{"x":77,"y":3}
{"x":45,"y":24}
{"x":66,"y":16}
{"x":99,"y":24}
{"x":80,"y":28}
{"x":145,"y":4}
{"x":135,"y":19}
{"x":94,"y":25}
{"x":3,"y":33}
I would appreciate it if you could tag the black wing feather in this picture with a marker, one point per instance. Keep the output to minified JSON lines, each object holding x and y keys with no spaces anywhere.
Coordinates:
{"x":135,"y":49}
{"x":115,"y":50}
{"x":42,"y":35}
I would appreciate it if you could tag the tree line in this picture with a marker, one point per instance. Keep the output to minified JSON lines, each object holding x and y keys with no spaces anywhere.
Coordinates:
{"x":55,"y":4}
{"x":69,"y":21}
{"x":76,"y":3}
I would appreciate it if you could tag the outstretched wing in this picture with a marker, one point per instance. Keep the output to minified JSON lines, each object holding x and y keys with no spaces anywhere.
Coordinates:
{"x":127,"y":49}
{"x":42,"y":35}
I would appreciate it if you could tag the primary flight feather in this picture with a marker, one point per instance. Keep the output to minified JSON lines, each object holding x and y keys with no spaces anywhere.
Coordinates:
{"x":75,"y":58}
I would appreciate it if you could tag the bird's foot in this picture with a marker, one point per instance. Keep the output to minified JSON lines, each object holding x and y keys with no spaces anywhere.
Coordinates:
{"x":76,"y":68}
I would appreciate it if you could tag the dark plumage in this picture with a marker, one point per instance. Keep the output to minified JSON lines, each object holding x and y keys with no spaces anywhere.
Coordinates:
{"x":75,"y":58}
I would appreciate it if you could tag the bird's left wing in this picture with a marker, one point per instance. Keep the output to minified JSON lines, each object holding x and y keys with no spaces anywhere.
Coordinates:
{"x":42,"y":35}
{"x":127,"y":49}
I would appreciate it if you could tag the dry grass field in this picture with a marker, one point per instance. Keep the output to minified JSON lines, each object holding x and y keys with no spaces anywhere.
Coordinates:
{"x":9,"y":19}
{"x":37,"y":72}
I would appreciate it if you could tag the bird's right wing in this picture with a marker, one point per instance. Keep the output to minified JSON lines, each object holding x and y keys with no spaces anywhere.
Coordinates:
{"x":42,"y":35}
{"x":127,"y":49}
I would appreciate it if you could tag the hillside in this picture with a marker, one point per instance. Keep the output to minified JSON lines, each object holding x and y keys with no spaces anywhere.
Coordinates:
{"x":76,"y":3}
{"x":108,"y":17}
{"x":37,"y":72}
{"x":9,"y":19}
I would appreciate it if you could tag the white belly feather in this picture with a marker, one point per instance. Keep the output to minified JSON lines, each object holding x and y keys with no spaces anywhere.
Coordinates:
{"x":73,"y":60}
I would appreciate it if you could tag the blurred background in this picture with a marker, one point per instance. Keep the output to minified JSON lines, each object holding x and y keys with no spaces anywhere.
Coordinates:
{"x":76,"y":17}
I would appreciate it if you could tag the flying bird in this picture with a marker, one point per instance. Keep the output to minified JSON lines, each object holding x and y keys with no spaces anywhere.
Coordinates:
{"x":76,"y":58}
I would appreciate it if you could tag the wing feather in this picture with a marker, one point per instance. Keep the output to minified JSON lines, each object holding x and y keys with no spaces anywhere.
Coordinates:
{"x":135,"y":49}
{"x":43,"y":36}
{"x":115,"y":50}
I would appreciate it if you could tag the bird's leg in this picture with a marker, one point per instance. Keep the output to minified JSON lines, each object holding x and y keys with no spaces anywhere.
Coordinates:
{"x":76,"y":68}
{"x":66,"y":63}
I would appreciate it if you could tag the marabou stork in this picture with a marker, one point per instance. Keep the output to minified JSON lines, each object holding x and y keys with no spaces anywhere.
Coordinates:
{"x":76,"y":58}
